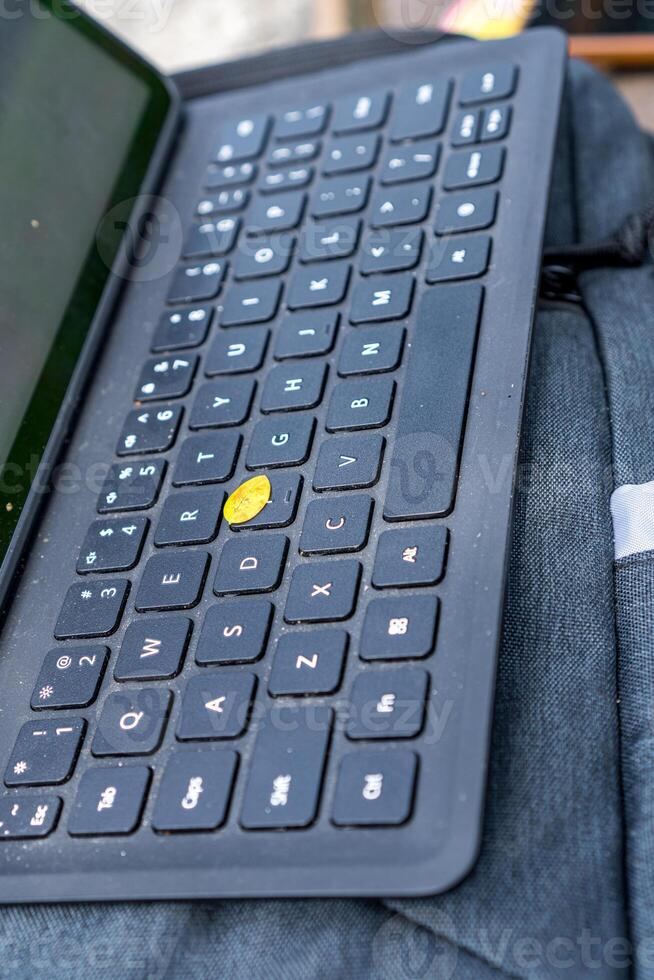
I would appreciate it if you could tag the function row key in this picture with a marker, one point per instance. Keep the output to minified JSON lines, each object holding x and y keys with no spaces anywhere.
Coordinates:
{"x":112,"y":545}
{"x":212,"y":238}
{"x":183,"y":328}
{"x":223,"y":202}
{"x":420,"y":109}
{"x":194,"y":283}
{"x":132,"y":486}
{"x":151,"y":430}
{"x":242,"y":139}
{"x":307,"y":120}
{"x":493,"y":81}
{"x":219,"y":176}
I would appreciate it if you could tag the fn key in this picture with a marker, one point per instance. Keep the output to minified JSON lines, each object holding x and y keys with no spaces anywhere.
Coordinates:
{"x":286,"y":771}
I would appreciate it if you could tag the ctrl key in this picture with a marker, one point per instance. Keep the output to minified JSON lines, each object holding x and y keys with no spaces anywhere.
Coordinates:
{"x":109,"y":800}
{"x":375,"y":788}
{"x":22,"y":817}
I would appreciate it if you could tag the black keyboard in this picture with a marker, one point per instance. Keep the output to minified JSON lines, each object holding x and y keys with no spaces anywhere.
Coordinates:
{"x":351,"y":319}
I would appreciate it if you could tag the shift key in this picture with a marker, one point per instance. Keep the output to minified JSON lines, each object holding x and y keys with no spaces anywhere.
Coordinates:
{"x":425,"y":460}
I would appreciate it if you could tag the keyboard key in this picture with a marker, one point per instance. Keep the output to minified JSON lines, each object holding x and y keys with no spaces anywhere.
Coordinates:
{"x":92,"y":609}
{"x":400,"y":205}
{"x":216,"y":704}
{"x":340,"y":195}
{"x":153,"y":649}
{"x":224,"y":402}
{"x":235,"y":631}
{"x":420,"y":110}
{"x":212,"y":238}
{"x":151,"y":430}
{"x":24,"y":817}
{"x":495,"y":123}
{"x":306,"y":121}
{"x":391,"y":250}
{"x":45,"y":752}
{"x":410,"y":557}
{"x":387,"y":298}
{"x":336,"y":239}
{"x":284,"y":180}
{"x":371,"y":350}
{"x":466,"y":127}
{"x":237,"y":351}
{"x":112,"y":546}
{"x":495,"y":81}
{"x":349,"y":462}
{"x":219,"y":175}
{"x":472,"y":168}
{"x":424,"y":466}
{"x":308,"y":662}
{"x":289,"y":388}
{"x":193,"y":283}
{"x":458,"y":258}
{"x":306,"y":334}
{"x":207,"y":458}
{"x":132,"y":722}
{"x":466,"y":211}
{"x":362,"y":403}
{"x":323,"y":591}
{"x":289,"y":153}
{"x":254,"y":302}
{"x":387,"y":704}
{"x":336,"y":524}
{"x":189,"y":517}
{"x":195,"y":790}
{"x":280,"y":511}
{"x":183,"y":328}
{"x":280,"y":442}
{"x":375,"y":788}
{"x":251,"y":563}
{"x":110,"y":800}
{"x":172,"y":581}
{"x":417,"y":162}
{"x":242,"y":139}
{"x":70,"y":677}
{"x":165,"y":378}
{"x":365,"y":111}
{"x":276,"y":213}
{"x":285,"y":774}
{"x":399,"y":627}
{"x":263,"y":256}
{"x":320,"y":285}
{"x":349,"y":153}
{"x":222,"y":202}
{"x":132,"y":486}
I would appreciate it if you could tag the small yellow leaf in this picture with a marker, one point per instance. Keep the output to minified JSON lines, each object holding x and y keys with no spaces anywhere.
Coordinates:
{"x":248,"y":500}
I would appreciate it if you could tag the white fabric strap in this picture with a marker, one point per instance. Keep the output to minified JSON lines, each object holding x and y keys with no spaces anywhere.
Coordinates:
{"x":632,"y":509}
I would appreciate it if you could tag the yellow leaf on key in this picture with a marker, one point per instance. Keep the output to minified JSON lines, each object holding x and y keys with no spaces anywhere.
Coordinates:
{"x":248,"y":500}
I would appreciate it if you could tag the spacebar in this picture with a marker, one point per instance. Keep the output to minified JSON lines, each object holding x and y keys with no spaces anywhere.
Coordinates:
{"x":425,"y":460}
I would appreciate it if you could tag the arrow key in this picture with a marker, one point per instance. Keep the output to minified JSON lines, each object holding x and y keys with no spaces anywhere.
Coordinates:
{"x":216,"y":704}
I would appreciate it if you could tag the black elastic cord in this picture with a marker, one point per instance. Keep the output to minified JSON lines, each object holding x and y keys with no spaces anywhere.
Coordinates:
{"x":629,"y":246}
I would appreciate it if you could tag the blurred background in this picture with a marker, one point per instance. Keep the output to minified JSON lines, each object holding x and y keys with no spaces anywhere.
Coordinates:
{"x":617,"y":35}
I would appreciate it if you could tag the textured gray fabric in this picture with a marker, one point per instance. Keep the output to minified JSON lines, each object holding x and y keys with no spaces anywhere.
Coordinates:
{"x":548,"y":897}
